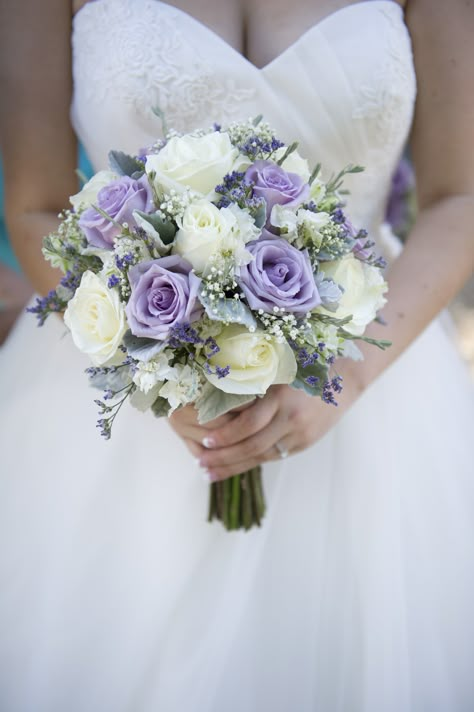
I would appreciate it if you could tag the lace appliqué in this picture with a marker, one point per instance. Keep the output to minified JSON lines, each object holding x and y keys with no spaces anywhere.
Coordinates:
{"x":147,"y":62}
{"x":385,"y":105}
{"x":388,"y":99}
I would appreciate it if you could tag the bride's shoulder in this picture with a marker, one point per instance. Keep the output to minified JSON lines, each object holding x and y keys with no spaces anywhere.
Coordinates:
{"x":78,"y":4}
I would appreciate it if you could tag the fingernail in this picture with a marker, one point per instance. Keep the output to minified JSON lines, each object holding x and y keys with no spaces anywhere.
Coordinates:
{"x":208,"y":442}
{"x":211,"y":476}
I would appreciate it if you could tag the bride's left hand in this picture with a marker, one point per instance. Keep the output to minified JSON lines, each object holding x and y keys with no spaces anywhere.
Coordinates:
{"x":284,"y":420}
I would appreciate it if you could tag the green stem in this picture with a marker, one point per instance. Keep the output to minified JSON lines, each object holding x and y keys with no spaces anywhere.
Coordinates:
{"x":234,"y":508}
{"x":227,"y":487}
{"x":238,"y":502}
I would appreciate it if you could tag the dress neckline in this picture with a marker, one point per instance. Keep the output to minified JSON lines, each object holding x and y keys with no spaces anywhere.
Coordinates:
{"x":317,"y":26}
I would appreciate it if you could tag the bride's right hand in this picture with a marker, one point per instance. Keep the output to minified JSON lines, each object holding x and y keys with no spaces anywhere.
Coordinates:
{"x":185,"y":423}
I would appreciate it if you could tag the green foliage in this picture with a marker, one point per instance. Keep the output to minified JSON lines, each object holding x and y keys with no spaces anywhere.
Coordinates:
{"x":125,"y":165}
{"x":165,"y":228}
{"x":228,"y":311}
{"x":160,"y":407}
{"x":142,"y":348}
{"x":316,"y":370}
{"x":213,"y":402}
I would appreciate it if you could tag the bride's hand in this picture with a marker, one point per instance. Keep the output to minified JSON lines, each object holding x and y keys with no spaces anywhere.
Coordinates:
{"x":284,"y":420}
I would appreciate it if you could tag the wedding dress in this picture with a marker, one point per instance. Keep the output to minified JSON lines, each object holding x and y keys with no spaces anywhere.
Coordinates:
{"x":357,"y":594}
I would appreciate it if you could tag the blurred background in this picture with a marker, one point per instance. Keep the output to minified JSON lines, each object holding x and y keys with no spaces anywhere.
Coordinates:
{"x":401,"y":211}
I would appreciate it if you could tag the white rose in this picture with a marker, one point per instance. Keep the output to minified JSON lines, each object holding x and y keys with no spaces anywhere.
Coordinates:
{"x":294,"y":163}
{"x":96,"y":319}
{"x":256,"y":362}
{"x":199,"y":162}
{"x":205,"y":230}
{"x":88,"y":195}
{"x":364,"y":287}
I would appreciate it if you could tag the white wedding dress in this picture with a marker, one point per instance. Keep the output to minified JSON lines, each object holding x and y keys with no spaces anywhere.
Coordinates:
{"x":357,"y":594}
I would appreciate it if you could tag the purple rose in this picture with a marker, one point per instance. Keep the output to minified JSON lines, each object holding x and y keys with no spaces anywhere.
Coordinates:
{"x":164,"y":294}
{"x":277,"y":186}
{"x":118,"y":199}
{"x":279,"y":276}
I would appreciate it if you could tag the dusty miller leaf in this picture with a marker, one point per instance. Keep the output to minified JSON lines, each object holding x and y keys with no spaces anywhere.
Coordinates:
{"x":213,"y":402}
{"x":229,"y":311}
{"x":142,"y":348}
{"x":124,"y":164}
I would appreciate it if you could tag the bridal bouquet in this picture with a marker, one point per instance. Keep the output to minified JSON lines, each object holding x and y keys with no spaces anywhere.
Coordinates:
{"x":206,"y":269}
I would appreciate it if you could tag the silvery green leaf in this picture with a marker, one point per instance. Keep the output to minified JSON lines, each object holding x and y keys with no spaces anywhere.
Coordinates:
{"x":141,"y":348}
{"x":160,"y":407}
{"x":144,"y":401}
{"x":289,"y":149}
{"x":260,"y":216}
{"x":329,"y":291}
{"x":381,"y":343}
{"x":230,"y":311}
{"x":314,"y":174}
{"x":317,"y":370}
{"x":113,"y":381}
{"x":213,"y":402}
{"x":124,"y":164}
{"x":165,"y":229}
{"x":63,"y":293}
{"x":161,"y":115}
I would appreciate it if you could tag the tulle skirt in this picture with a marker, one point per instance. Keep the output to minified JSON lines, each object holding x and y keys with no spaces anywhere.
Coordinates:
{"x":116,"y":595}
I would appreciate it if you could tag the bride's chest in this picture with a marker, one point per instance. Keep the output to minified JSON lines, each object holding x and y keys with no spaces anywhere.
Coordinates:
{"x":257,"y":29}
{"x":345,"y":88}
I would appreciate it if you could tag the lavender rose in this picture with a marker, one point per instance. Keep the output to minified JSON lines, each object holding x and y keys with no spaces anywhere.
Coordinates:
{"x":277,"y":186}
{"x":279,"y":276}
{"x":164,"y":294}
{"x":118,"y":199}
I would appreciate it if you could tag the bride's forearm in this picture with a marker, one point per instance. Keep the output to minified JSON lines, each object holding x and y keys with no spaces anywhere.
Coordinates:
{"x":436,"y":261}
{"x":26,"y":231}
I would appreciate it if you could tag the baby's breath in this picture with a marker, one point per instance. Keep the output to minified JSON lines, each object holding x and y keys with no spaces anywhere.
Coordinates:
{"x":172,"y":205}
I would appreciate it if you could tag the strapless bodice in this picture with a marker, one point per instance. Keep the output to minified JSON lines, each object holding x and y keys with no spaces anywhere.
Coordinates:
{"x":345,"y":89}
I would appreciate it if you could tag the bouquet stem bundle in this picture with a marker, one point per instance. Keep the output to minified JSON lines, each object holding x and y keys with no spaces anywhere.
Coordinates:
{"x":238,"y":502}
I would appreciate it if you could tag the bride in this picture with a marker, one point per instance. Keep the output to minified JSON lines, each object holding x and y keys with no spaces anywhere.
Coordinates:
{"x":356,"y":594}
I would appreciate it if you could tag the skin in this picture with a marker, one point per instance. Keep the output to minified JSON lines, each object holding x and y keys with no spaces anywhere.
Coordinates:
{"x":438,"y":257}
{"x":14,"y":293}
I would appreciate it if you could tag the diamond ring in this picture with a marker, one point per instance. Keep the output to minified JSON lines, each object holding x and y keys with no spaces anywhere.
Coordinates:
{"x":284,"y":452}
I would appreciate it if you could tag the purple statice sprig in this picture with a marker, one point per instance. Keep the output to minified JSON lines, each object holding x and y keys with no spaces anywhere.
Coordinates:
{"x":254,"y":138}
{"x":363,"y":251}
{"x":257,"y":147}
{"x":44,"y":306}
{"x":116,"y":385}
{"x":111,"y":410}
{"x":56,"y":300}
{"x":330,"y":388}
{"x":236,"y":189}
{"x":184,"y":338}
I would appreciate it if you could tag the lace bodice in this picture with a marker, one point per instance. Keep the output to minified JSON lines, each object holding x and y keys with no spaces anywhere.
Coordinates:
{"x":345,"y":89}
